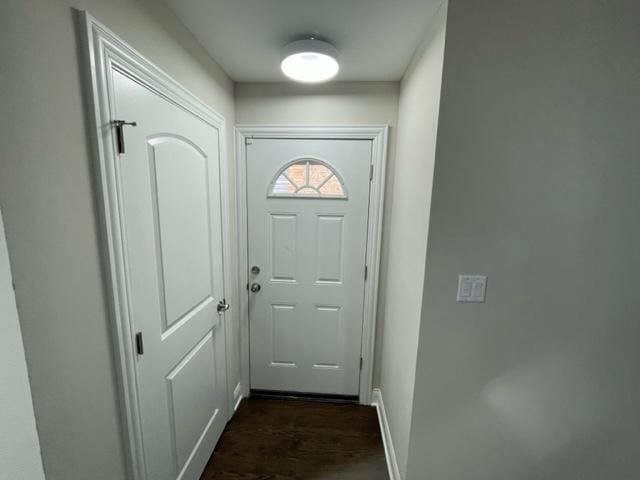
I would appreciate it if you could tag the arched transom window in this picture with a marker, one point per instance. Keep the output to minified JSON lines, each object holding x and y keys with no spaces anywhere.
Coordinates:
{"x":307,"y":178}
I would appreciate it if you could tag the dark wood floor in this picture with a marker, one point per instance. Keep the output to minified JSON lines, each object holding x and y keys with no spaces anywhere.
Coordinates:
{"x":273,"y":439}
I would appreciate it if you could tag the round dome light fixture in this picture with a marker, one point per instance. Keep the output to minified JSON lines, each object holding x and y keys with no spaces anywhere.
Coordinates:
{"x":310,"y":61}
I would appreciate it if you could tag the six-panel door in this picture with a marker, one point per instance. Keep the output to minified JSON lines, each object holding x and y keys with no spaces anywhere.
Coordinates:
{"x":307,"y":230}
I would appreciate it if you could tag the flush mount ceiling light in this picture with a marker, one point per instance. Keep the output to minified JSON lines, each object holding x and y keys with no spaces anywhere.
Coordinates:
{"x":310,"y":61}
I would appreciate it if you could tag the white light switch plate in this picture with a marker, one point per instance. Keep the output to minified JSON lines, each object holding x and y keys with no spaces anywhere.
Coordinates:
{"x":471,"y":288}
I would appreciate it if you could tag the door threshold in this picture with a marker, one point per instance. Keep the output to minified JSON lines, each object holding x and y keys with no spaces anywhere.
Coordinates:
{"x":314,"y":397}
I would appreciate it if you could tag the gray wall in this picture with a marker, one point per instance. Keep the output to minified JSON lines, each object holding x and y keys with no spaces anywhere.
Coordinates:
{"x":19,"y":446}
{"x":331,"y":103}
{"x":537,"y":185}
{"x":407,"y":226}
{"x":50,"y":218}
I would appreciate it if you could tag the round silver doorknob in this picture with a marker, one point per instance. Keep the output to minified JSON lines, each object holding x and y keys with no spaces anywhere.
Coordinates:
{"x":255,"y":287}
{"x":223,"y":306}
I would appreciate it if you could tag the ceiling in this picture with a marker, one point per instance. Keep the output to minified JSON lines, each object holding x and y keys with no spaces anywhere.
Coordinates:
{"x":376,"y":38}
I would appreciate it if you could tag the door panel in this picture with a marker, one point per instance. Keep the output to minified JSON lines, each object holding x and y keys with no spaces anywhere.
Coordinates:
{"x":284,"y":247}
{"x":284,"y":335}
{"x":190,"y":387}
{"x":169,"y":196}
{"x":307,"y":214}
{"x":329,"y":246}
{"x":179,"y":186}
{"x":325,"y":330}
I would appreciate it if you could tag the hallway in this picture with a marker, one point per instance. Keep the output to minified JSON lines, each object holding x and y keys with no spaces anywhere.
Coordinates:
{"x":295,"y":439}
{"x":429,"y":208}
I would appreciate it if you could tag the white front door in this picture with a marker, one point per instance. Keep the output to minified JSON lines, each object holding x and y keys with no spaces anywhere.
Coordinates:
{"x":169,"y":197}
{"x":307,"y":232}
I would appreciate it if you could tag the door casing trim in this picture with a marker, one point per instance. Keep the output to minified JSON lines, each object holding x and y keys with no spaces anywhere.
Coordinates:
{"x":378,"y":134}
{"x":102,"y":51}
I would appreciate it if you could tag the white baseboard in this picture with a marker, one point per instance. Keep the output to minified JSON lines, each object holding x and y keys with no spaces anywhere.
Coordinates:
{"x":237,"y":396}
{"x":390,"y":453}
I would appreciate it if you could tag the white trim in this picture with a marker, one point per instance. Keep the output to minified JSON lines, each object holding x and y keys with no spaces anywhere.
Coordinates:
{"x":378,"y":135}
{"x":389,"y":452}
{"x":237,"y":395}
{"x":103,"y":51}
{"x":230,"y":263}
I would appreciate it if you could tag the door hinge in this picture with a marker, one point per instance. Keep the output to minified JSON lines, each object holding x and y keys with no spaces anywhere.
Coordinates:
{"x":119,"y":124}
{"x":371,"y":172}
{"x":139,"y":344}
{"x":366,"y":272}
{"x":248,"y":140}
{"x":361,"y":362}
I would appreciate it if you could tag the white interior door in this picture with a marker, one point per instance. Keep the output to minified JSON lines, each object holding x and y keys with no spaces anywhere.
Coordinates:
{"x":169,"y":195}
{"x":307,"y":231}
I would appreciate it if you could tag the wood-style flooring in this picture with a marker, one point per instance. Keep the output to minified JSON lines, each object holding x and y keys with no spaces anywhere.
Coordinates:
{"x":274,"y":439}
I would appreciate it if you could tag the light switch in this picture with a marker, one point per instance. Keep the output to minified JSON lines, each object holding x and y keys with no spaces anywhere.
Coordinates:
{"x":471,"y":288}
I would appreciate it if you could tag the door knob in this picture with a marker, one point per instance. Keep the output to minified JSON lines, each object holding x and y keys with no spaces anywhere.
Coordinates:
{"x":223,"y":306}
{"x":255,"y":287}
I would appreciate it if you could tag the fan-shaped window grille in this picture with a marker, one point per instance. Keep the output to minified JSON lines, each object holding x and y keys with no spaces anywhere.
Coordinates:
{"x":307,"y":178}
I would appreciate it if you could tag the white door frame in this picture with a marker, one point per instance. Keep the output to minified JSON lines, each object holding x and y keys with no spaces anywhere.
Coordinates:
{"x":103,"y":50}
{"x":378,"y":135}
